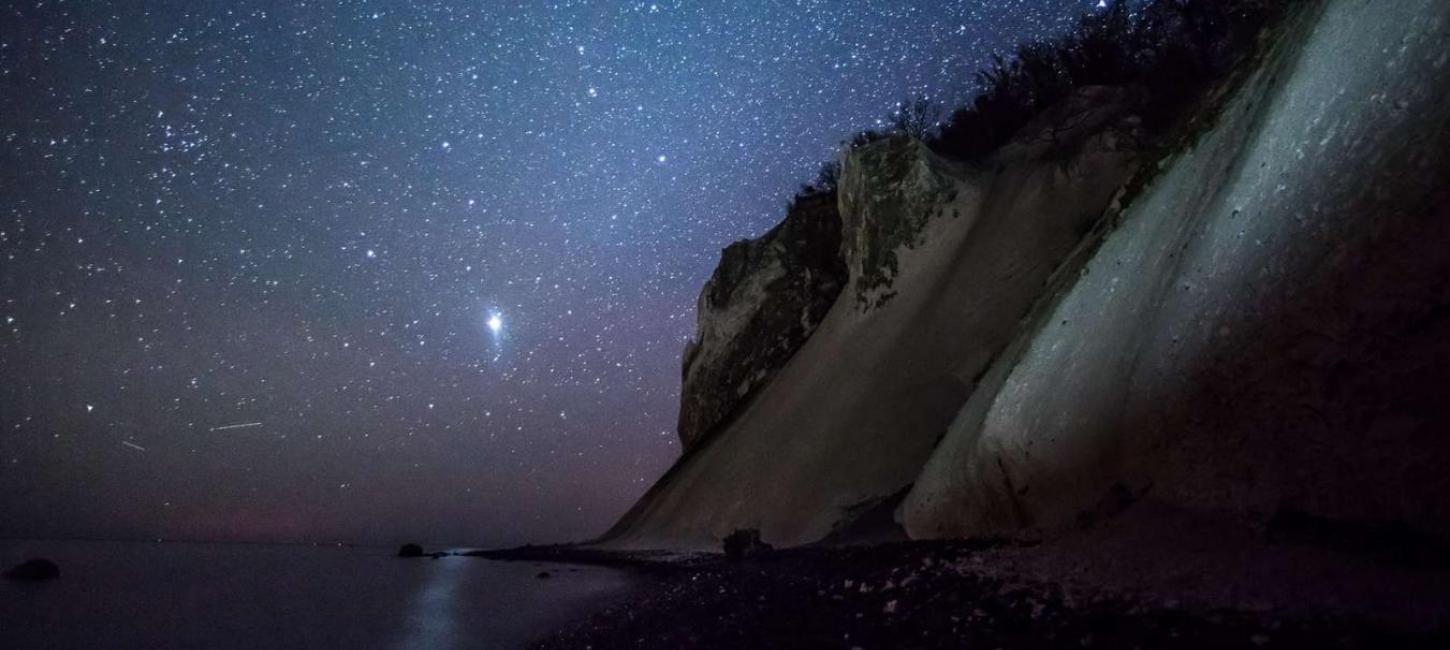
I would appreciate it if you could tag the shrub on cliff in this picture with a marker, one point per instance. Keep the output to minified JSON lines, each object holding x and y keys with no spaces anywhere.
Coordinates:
{"x":1173,"y":48}
{"x":918,"y":117}
{"x":826,"y":180}
{"x":824,"y":185}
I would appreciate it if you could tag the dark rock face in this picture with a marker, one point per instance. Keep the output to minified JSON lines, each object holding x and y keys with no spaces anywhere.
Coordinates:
{"x":764,"y":300}
{"x":34,"y":570}
{"x":410,"y":550}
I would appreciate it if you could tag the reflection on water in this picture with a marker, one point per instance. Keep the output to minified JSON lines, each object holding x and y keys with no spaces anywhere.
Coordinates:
{"x":431,"y":614}
{"x":177,"y":595}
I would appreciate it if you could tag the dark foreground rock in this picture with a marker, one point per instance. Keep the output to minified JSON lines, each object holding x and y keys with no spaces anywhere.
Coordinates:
{"x":929,"y":596}
{"x":34,"y":570}
{"x":745,"y":543}
{"x":410,"y":550}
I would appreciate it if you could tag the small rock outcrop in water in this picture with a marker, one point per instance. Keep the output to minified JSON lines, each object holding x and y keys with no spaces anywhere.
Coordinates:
{"x":765,"y":298}
{"x":410,"y":550}
{"x":745,"y":543}
{"x":34,"y":570}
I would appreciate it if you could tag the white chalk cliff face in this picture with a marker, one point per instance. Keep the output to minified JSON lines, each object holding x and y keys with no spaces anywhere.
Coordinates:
{"x":1263,"y":325}
{"x":1267,"y":329}
{"x":857,"y":410}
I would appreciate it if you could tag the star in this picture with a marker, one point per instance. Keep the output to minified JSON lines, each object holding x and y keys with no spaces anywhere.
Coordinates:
{"x":369,"y":215}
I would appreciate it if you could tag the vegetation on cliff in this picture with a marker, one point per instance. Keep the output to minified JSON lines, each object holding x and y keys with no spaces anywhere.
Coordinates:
{"x":768,"y":294}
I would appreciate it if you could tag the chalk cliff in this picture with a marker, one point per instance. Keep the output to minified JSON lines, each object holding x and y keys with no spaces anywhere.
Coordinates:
{"x":1250,"y":318}
{"x":766,"y":297}
{"x":1268,"y":328}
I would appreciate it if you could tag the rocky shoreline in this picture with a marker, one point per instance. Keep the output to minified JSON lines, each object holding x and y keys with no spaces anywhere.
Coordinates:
{"x":644,"y":562}
{"x":917,"y":595}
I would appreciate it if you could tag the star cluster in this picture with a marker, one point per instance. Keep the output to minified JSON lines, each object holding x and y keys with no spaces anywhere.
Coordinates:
{"x":369,"y":270}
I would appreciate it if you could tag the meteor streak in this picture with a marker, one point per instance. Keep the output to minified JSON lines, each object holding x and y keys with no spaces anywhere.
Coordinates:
{"x":237,"y":426}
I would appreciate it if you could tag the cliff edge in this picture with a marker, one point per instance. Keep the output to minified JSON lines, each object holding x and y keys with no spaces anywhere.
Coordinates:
{"x":1253,"y":324}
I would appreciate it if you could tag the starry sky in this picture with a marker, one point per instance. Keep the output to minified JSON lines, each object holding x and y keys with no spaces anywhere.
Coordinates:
{"x":377,"y":271}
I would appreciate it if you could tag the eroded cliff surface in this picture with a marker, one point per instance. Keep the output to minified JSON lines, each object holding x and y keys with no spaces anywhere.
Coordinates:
{"x":765,"y":298}
{"x":1263,"y":327}
{"x":943,"y":260}
{"x":1269,"y":328}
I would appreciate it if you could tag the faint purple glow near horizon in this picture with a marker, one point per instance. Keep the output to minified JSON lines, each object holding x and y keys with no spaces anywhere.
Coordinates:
{"x":297,"y":216}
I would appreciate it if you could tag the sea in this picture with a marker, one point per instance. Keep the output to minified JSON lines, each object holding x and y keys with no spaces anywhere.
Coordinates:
{"x":198,"y":595}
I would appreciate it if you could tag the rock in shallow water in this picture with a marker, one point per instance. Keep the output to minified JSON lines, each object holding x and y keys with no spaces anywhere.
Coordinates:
{"x":34,"y":570}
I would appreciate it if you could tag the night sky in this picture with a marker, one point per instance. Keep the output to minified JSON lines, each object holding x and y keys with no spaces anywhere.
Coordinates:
{"x":377,"y":271}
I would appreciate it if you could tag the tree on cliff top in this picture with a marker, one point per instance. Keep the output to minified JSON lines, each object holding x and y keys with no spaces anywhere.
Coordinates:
{"x":1172,"y":48}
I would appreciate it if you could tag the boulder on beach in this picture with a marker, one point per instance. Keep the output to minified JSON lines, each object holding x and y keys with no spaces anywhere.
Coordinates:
{"x":34,"y":569}
{"x":745,"y":543}
{"x":410,"y":550}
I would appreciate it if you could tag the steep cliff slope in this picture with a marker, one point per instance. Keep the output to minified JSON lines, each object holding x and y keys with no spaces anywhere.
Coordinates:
{"x":943,"y":262}
{"x":1269,"y":329}
{"x":767,"y":297}
{"x":1264,"y":330}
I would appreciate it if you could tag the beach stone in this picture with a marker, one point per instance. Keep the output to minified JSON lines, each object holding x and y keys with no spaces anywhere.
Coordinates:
{"x":34,"y":570}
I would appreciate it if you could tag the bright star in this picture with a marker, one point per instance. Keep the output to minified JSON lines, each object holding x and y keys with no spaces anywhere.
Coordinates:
{"x":495,"y":323}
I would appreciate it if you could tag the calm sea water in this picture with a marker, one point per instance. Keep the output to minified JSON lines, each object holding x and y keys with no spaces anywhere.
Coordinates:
{"x":180,"y":595}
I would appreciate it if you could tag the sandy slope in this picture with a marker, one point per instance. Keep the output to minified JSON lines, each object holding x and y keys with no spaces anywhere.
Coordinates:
{"x":858,"y":409}
{"x":1268,"y":327}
